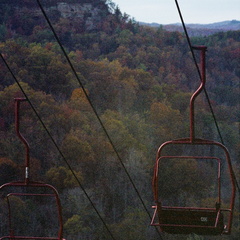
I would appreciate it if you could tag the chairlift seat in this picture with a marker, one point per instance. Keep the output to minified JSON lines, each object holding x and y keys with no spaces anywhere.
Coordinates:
{"x":187,"y":220}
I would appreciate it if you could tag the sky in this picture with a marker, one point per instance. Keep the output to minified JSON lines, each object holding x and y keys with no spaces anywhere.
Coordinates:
{"x":193,"y":11}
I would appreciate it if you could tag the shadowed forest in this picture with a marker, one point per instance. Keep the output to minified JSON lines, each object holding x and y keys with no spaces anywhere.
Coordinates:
{"x":138,"y":81}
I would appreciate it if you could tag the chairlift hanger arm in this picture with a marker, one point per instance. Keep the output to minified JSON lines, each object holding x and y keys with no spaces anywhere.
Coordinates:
{"x":203,"y":50}
{"x":23,"y":140}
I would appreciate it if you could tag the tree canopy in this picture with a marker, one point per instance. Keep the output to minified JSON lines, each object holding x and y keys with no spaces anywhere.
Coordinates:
{"x":138,"y":80}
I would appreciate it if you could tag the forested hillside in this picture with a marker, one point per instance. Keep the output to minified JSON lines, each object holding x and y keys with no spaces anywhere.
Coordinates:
{"x":139,"y":81}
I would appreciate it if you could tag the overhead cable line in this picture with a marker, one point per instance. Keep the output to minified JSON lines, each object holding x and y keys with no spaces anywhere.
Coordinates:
{"x":56,"y":145}
{"x":199,"y":73}
{"x":94,"y":109}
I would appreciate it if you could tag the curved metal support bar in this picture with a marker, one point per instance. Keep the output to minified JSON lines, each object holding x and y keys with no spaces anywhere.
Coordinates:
{"x":24,"y":141}
{"x":203,"y":50}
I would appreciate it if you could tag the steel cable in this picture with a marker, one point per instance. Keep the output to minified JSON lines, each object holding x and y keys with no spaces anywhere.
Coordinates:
{"x":94,"y":110}
{"x":56,"y":145}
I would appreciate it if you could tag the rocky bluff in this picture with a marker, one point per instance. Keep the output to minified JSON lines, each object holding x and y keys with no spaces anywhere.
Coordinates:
{"x":86,"y":14}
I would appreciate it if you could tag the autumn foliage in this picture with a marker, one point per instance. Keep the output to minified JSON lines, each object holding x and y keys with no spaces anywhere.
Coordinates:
{"x":138,"y":80}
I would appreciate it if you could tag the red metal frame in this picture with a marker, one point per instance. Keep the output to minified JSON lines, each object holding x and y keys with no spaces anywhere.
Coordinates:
{"x":27,"y":184}
{"x":158,"y":208}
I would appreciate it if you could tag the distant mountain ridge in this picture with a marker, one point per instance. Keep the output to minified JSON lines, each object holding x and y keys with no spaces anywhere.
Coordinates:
{"x":225,"y":25}
{"x":200,"y":29}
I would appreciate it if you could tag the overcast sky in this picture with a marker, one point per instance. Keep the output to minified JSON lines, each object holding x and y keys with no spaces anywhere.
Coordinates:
{"x":193,"y":11}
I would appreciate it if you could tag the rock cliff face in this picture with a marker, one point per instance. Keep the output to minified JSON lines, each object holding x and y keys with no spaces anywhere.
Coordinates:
{"x":74,"y":10}
{"x":87,"y":12}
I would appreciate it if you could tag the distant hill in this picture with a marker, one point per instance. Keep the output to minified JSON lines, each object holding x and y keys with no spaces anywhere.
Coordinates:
{"x":200,"y":29}
{"x":226,"y":25}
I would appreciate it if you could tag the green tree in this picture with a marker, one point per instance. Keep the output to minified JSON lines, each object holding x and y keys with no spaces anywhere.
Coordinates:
{"x":8,"y":170}
{"x":62,"y":178}
{"x":131,"y":226}
{"x":167,"y":121}
{"x":117,"y":130}
{"x":125,"y":38}
{"x":78,"y":151}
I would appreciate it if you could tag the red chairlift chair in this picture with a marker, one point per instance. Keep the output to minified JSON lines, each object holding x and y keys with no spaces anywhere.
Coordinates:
{"x":199,"y":220}
{"x":28,"y":188}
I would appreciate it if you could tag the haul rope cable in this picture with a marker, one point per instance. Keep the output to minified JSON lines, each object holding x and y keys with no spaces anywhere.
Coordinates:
{"x":93,"y":108}
{"x":55,"y":144}
{"x":205,"y":91}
